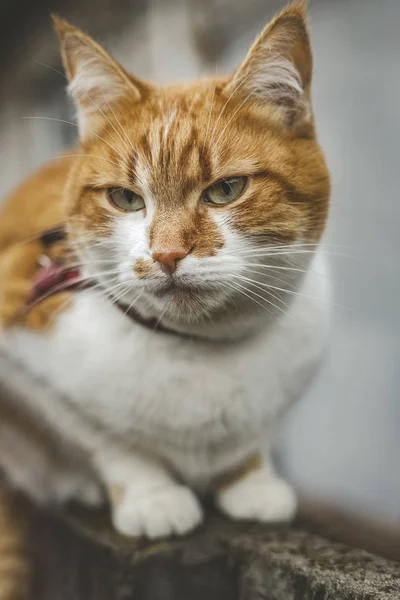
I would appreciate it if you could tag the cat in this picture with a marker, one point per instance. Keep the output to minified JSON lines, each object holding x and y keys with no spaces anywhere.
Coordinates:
{"x":195,"y":211}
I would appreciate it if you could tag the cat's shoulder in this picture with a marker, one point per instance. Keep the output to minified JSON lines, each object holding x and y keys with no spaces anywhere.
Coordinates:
{"x":36,"y":205}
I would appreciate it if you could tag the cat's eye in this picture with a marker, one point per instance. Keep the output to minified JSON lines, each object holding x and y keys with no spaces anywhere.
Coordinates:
{"x":125,"y":200}
{"x":225,"y":191}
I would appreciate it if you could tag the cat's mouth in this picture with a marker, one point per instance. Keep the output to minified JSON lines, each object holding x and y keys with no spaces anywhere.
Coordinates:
{"x":181,"y":286}
{"x":174,"y":285}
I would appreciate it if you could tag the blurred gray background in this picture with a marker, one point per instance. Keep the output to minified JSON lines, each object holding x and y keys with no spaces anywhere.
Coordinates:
{"x":341,"y":443}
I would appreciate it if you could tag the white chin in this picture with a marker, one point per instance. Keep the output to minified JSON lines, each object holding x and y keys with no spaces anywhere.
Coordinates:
{"x":186,"y":304}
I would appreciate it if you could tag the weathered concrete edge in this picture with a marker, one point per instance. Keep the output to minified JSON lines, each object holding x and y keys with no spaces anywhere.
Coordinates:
{"x":300,"y":565}
{"x":221,"y":561}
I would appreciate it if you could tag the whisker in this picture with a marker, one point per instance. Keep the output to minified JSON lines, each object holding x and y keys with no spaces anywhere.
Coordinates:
{"x":38,"y":62}
{"x":79,"y":288}
{"x":265,"y":299}
{"x":209,"y":120}
{"x":268,"y":275}
{"x":235,"y":90}
{"x":244,"y":293}
{"x":232,"y":117}
{"x":273,"y":295}
{"x":300,"y":252}
{"x":263,"y":266}
{"x":87,"y":263}
{"x":108,"y":121}
{"x":76,"y":155}
{"x":279,"y":289}
{"x":77,"y":126}
{"x":121,"y":127}
{"x":133,"y":302}
{"x":276,"y":247}
{"x":167,"y":304}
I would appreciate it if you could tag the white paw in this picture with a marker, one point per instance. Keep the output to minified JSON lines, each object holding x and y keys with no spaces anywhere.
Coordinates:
{"x":259,"y":497}
{"x":160,"y":513}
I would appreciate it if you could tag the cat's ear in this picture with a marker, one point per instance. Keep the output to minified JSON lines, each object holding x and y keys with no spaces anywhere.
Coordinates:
{"x":278,"y":67}
{"x":96,"y":80}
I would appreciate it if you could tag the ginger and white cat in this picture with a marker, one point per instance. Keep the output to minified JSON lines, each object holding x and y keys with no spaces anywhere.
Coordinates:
{"x":201,"y":205}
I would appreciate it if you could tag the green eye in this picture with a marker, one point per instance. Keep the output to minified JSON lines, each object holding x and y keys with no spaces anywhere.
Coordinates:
{"x":125,"y":199}
{"x":225,"y":191}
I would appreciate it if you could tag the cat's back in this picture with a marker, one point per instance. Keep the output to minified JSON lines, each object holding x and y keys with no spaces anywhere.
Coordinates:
{"x":36,"y":204}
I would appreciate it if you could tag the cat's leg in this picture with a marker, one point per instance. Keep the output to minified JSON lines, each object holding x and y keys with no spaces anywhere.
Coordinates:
{"x":145,"y":499}
{"x":255,"y":492}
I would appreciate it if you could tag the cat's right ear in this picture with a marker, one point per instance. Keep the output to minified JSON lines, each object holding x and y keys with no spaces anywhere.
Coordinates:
{"x":96,"y":80}
{"x":278,"y":67}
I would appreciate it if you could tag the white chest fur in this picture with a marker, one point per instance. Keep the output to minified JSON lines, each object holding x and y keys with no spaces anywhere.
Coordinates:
{"x":200,"y":405}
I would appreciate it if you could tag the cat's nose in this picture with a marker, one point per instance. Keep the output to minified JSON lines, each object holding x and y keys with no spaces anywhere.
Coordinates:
{"x":169,"y":260}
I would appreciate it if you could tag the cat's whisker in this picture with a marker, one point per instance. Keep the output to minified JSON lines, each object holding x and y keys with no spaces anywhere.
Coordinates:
{"x":132,"y":304}
{"x":262,"y":288}
{"x":100,"y":273}
{"x":77,"y":126}
{"x":112,"y":286}
{"x":220,"y":137}
{"x":272,"y":294}
{"x":235,"y":90}
{"x":117,"y":298}
{"x":80,"y":220}
{"x":294,"y":293}
{"x":330,"y":250}
{"x":240,"y":289}
{"x":274,"y":247}
{"x":279,"y":289}
{"x":300,"y":253}
{"x":160,"y":318}
{"x":126,"y":137}
{"x":268,"y":275}
{"x":110,"y":161}
{"x":79,"y":288}
{"x":209,"y":120}
{"x":90,"y":262}
{"x":108,"y":121}
{"x":92,"y":239}
{"x":52,"y":69}
{"x":93,"y":236}
{"x":272,"y":267}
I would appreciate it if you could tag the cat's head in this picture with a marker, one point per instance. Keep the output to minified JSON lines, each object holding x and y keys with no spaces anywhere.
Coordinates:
{"x":199,"y":198}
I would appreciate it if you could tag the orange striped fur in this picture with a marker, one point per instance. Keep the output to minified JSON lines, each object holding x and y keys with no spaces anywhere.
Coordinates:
{"x":14,"y":549}
{"x":176,"y":140}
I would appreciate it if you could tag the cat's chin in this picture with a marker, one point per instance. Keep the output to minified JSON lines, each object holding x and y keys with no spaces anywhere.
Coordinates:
{"x":184,"y":300}
{"x":183,"y":290}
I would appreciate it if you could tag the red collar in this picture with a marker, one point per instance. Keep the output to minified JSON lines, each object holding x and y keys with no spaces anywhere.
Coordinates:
{"x":52,"y":278}
{"x":55,"y":276}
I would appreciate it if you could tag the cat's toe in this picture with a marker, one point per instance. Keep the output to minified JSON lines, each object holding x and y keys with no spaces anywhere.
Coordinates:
{"x":169,"y":511}
{"x":259,"y":498}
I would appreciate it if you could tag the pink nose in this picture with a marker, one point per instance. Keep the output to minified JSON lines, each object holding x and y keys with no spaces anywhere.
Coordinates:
{"x":169,"y":260}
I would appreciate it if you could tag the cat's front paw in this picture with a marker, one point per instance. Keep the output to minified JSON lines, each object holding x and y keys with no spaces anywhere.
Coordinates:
{"x":158,"y":513}
{"x":259,"y":497}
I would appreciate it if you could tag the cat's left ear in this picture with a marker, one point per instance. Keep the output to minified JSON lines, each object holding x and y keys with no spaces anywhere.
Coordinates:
{"x":96,"y":80}
{"x":278,"y":67}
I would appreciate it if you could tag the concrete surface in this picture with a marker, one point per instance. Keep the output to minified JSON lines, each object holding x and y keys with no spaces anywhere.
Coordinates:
{"x":85,"y":559}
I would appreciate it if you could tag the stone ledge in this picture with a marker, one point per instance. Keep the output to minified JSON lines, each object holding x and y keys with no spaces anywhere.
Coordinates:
{"x":82,"y":558}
